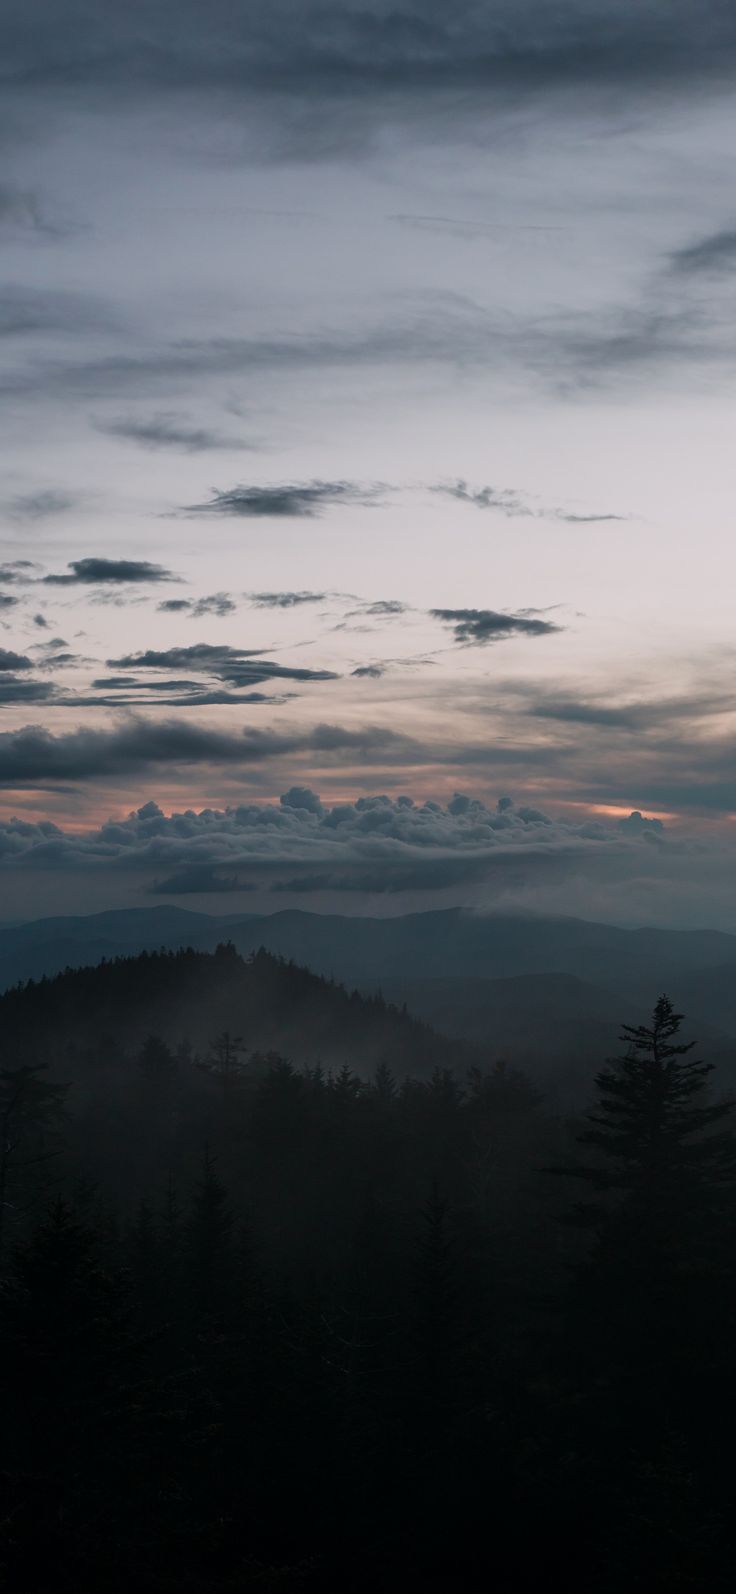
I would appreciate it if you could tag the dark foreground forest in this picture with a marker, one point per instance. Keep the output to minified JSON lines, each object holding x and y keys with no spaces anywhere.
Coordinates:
{"x":326,"y":1302}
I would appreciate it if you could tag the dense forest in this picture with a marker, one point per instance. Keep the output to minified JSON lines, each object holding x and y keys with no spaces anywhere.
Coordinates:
{"x":297,"y":1295}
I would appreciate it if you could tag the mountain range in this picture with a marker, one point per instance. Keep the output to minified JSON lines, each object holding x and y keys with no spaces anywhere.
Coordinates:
{"x":547,"y":994}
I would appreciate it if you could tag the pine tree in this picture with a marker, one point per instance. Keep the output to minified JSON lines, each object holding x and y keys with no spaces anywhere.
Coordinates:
{"x":210,"y":1243}
{"x":646,"y":1346}
{"x":384,"y":1085}
{"x":31,"y":1110}
{"x":652,"y":1301}
{"x":226,"y":1059}
{"x":660,"y":1155}
{"x":156,"y":1060}
{"x":435,"y":1303}
{"x":66,"y":1360}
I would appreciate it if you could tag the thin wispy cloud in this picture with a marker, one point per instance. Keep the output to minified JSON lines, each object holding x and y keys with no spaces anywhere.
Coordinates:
{"x":710,"y":256}
{"x":40,"y":505}
{"x":236,"y":666}
{"x":285,"y":600}
{"x":513,"y":504}
{"x":170,"y":431}
{"x":289,"y":500}
{"x":21,"y":571}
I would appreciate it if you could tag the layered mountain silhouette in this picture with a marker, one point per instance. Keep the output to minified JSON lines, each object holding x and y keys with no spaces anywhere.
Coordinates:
{"x":440,"y":944}
{"x":544,"y":994}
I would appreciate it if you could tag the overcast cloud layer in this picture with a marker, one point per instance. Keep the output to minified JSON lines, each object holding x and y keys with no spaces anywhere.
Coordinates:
{"x":366,"y":400}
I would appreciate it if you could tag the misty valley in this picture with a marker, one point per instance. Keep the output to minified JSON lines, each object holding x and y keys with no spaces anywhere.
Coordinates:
{"x":304,"y":1289}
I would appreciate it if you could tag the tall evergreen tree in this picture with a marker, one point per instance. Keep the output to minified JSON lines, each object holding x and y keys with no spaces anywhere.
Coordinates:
{"x":646,"y":1349}
{"x":226,"y":1059}
{"x":660,"y":1157}
{"x":31,"y":1110}
{"x":210,"y":1243}
{"x":66,"y":1359}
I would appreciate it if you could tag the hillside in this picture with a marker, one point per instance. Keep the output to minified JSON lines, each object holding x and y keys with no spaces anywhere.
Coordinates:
{"x":191,"y":996}
{"x":441,"y":944}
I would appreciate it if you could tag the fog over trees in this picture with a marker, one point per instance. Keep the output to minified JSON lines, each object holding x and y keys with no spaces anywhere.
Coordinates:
{"x":387,"y":1319}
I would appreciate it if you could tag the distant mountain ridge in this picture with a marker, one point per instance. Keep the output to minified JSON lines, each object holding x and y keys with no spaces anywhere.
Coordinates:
{"x":447,"y":943}
{"x":546,"y":995}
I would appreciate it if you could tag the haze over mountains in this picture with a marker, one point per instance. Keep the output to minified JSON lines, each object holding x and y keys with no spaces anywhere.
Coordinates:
{"x":187,"y":998}
{"x":545,"y":994}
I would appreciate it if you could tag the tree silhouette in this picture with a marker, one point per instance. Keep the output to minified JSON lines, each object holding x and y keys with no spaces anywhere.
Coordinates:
{"x":30,"y":1110}
{"x":647,"y":1338}
{"x":654,"y":1129}
{"x":226,"y":1058}
{"x":210,"y":1243}
{"x":156,"y":1060}
{"x":65,"y":1380}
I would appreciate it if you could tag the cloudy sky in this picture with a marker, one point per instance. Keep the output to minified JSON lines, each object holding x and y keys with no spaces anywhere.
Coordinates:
{"x":367,"y":432}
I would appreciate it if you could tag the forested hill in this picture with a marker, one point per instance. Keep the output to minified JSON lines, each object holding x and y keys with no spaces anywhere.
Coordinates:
{"x":187,"y":998}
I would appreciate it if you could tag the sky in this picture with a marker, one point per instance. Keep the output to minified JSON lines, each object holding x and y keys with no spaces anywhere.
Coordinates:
{"x":366,"y":388}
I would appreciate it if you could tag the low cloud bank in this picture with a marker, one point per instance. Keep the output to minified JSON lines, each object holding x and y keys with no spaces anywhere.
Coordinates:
{"x":376,"y":843}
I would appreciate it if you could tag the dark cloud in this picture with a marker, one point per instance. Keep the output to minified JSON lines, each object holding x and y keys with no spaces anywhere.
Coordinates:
{"x":200,"y":697}
{"x":347,"y":52}
{"x":169,"y":431}
{"x":14,"y":661}
{"x":53,"y":661}
{"x":284,"y":600}
{"x":14,"y":690}
{"x":201,"y":656}
{"x":480,"y":626}
{"x":109,"y":682}
{"x":580,"y":520}
{"x":303,"y":799}
{"x":237,"y":666}
{"x":373,"y":671}
{"x":301,"y":844}
{"x":7,"y":601}
{"x":96,"y":572}
{"x":218,"y":604}
{"x":174,"y":693}
{"x":41,"y":621}
{"x":512,"y":504}
{"x":293,"y":499}
{"x":637,"y":824}
{"x":708,"y":256}
{"x":19,"y":570}
{"x":33,"y":756}
{"x":198,"y":879}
